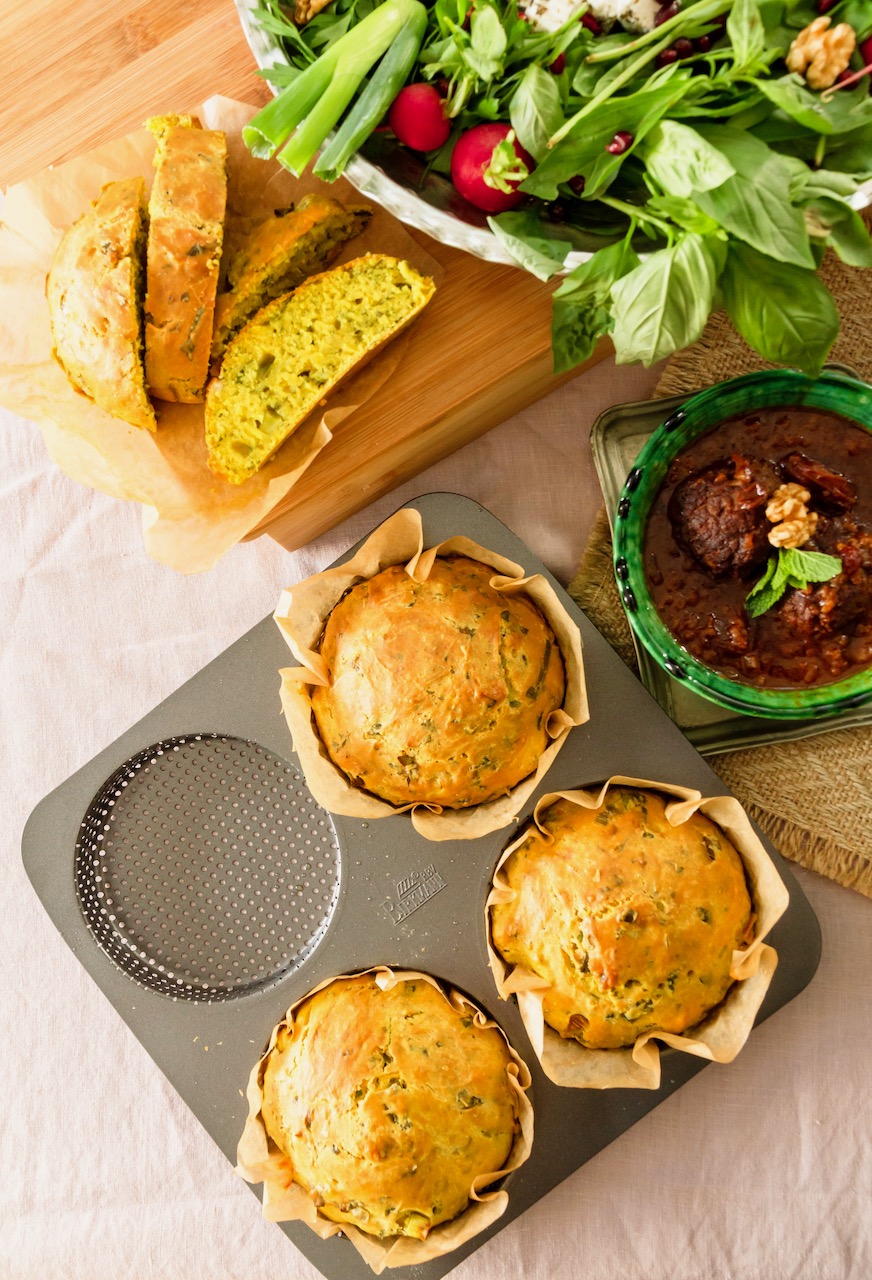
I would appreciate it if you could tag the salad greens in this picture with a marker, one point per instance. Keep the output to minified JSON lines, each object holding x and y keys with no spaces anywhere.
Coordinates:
{"x":700,"y":172}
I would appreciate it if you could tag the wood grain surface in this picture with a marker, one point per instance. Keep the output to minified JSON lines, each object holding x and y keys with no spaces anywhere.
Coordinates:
{"x":77,"y":73}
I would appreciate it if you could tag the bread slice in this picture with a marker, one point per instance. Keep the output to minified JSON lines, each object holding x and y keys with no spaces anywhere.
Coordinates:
{"x":296,"y":350}
{"x":279,"y":254}
{"x":186,"y":230}
{"x":94,"y":292}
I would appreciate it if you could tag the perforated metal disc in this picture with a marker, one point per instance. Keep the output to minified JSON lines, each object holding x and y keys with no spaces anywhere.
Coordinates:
{"x":205,"y":868}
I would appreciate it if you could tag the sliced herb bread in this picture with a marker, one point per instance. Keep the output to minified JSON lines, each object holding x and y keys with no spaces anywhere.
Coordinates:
{"x":94,"y":292}
{"x":279,"y":254}
{"x":186,"y":229}
{"x":295,"y":351}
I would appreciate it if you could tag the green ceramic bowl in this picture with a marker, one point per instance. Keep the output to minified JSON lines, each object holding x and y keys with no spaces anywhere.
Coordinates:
{"x":835,"y":392}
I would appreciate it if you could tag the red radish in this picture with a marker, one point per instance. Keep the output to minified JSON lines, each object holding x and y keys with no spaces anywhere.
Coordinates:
{"x":417,"y":117}
{"x":471,"y":157}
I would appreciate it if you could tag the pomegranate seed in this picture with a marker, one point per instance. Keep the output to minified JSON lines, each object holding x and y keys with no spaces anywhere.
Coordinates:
{"x":557,"y":212}
{"x":824,"y":6}
{"x":666,"y":56}
{"x":576,"y":185}
{"x":619,"y":143}
{"x":683,"y":47}
{"x":843,"y":76}
{"x":442,"y":87}
{"x":666,"y":11}
{"x":589,"y":21}
{"x":558,"y":64}
{"x":866,"y":50}
{"x":702,"y":44}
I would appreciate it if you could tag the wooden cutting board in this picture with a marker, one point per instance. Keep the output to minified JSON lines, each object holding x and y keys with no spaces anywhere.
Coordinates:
{"x":81,"y":72}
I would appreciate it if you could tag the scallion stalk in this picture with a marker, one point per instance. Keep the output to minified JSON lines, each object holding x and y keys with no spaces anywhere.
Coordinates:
{"x":386,"y":82}
{"x":312,"y":105}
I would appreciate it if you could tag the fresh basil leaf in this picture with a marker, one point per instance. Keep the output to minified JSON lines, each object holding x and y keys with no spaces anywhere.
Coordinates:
{"x":807,"y":184}
{"x":753,"y":205}
{"x":583,"y":151}
{"x":663,"y":305}
{"x":588,"y":74}
{"x":681,"y":161}
{"x":841,"y":227}
{"x":535,"y":111}
{"x":522,"y":234}
{"x":784,"y":312}
{"x":813,"y":566}
{"x":857,"y":14}
{"x":686,"y":214}
{"x":844,"y":111}
{"x":745,"y":33}
{"x":487,"y":43}
{"x":581,"y":312}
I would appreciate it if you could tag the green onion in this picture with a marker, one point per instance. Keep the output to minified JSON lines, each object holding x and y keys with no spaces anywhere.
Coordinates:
{"x":312,"y":105}
{"x":386,"y":82}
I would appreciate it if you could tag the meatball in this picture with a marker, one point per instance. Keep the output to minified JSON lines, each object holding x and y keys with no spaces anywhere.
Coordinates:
{"x":719,"y":514}
{"x":825,"y":608}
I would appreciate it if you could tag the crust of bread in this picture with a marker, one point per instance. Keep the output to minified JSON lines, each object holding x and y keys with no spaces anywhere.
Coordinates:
{"x":94,"y":297}
{"x":185,"y":237}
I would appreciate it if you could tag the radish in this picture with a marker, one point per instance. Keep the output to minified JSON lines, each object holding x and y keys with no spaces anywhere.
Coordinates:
{"x":473,"y":157}
{"x":418,"y":119}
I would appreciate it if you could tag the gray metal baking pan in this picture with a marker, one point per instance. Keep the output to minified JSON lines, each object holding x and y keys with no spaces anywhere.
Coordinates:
{"x":199,"y":884}
{"x":616,"y":440}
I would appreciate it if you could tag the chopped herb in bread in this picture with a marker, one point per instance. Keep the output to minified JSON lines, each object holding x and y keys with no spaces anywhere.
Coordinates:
{"x":94,"y":292}
{"x":295,"y":351}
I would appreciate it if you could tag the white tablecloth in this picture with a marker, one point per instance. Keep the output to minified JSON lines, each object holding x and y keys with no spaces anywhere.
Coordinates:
{"x":761,"y":1170}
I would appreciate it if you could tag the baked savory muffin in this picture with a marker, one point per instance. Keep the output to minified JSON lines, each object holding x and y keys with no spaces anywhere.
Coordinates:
{"x":280,"y":253}
{"x":389,"y":1104}
{"x":439,"y":691}
{"x":632,"y":922}
{"x":186,"y":229}
{"x":296,"y":349}
{"x":94,"y":292}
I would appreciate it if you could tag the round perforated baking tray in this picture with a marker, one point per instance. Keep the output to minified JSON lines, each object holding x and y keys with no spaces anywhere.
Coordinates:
{"x":204,"y":868}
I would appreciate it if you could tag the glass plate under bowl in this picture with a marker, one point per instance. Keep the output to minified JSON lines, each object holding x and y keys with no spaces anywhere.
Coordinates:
{"x":617,"y":438}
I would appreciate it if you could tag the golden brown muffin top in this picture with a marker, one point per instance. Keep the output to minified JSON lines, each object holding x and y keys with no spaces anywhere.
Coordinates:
{"x":389,"y":1103}
{"x":631,"y":921}
{"x":440,"y":691}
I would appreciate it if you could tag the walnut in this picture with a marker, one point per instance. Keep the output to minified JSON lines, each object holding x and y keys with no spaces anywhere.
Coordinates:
{"x":306,"y":9}
{"x":821,"y":53}
{"x":787,"y":503}
{"x":794,"y":533}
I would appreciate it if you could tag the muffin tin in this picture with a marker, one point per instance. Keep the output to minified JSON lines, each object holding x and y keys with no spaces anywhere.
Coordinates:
{"x":200,"y":885}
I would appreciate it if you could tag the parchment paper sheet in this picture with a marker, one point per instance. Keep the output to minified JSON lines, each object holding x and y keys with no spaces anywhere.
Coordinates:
{"x":301,"y":614}
{"x":720,"y":1036}
{"x":191,"y":516}
{"x":260,"y":1160}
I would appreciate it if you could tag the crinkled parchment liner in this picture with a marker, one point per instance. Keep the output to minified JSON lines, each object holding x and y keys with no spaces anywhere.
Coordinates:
{"x":721,"y":1034}
{"x":301,"y":614}
{"x":260,"y":1160}
{"x":191,"y":517}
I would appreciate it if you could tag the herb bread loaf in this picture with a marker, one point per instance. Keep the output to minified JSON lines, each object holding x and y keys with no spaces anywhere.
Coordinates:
{"x":185,"y":236}
{"x":94,"y":292}
{"x":631,"y":921}
{"x":294,"y":351}
{"x":438,"y":691}
{"x":280,"y":253}
{"x":389,"y":1103}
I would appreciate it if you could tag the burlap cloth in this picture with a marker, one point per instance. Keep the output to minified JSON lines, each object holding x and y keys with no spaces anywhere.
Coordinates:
{"x":813,"y":798}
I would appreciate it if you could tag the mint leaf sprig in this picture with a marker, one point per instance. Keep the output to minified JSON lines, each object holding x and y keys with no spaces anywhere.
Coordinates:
{"x":790,"y":567}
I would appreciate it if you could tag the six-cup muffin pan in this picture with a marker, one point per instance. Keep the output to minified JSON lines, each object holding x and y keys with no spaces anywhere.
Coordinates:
{"x":204,"y":890}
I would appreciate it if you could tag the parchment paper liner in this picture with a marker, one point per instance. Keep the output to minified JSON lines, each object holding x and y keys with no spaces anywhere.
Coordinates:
{"x":721,"y":1034}
{"x":301,"y":614}
{"x":259,"y":1159}
{"x":191,"y":516}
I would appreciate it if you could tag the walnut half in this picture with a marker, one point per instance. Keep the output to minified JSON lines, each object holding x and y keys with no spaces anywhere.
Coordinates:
{"x":821,"y":53}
